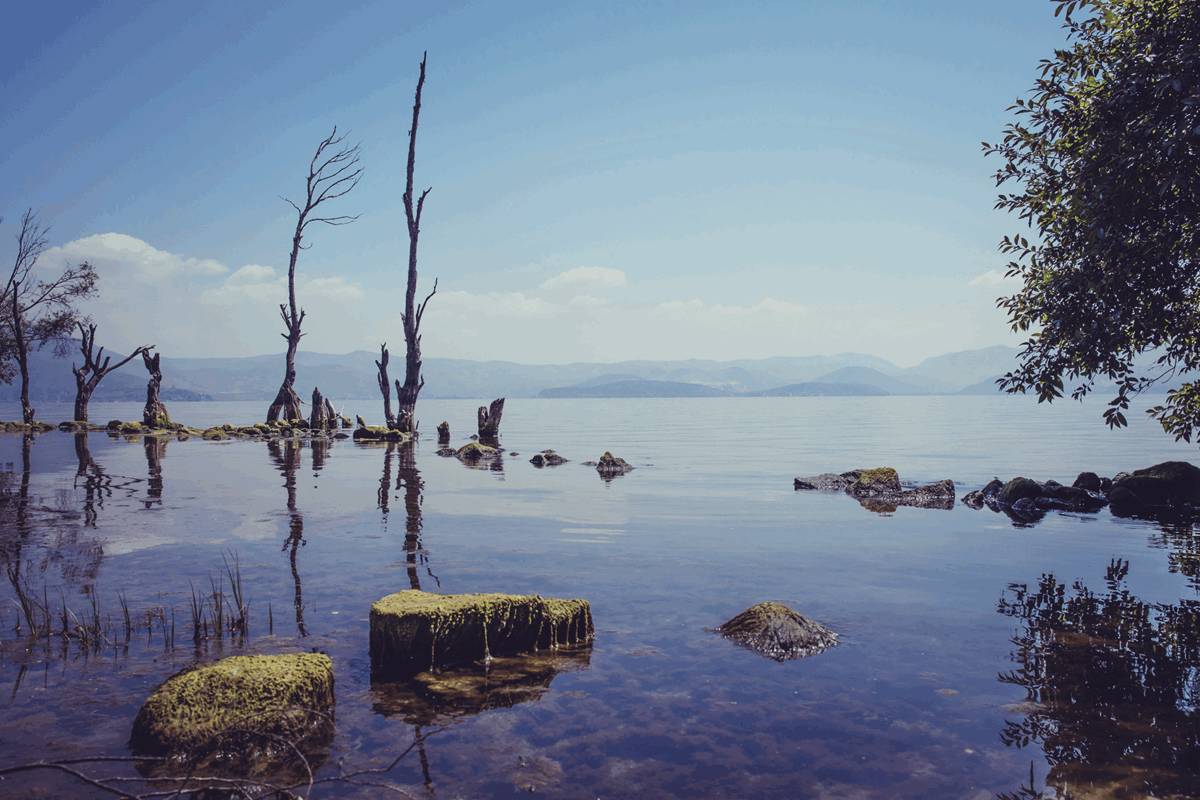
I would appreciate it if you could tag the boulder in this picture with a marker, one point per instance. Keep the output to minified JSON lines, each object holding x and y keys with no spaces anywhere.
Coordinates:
{"x":826,"y":482}
{"x":610,"y":466}
{"x":1089,"y":482}
{"x":932,"y":495}
{"x":547,"y":458}
{"x":236,"y":704}
{"x":1165,"y":486}
{"x":987,"y":494}
{"x":447,"y":452}
{"x":413,"y":631}
{"x":214,"y":434}
{"x":879,"y":489}
{"x":1017,"y":489}
{"x":472,"y":452}
{"x":876,"y":482}
{"x":776,"y":631}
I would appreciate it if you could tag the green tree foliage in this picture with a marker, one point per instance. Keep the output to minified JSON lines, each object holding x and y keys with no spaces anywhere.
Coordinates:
{"x":1103,"y":163}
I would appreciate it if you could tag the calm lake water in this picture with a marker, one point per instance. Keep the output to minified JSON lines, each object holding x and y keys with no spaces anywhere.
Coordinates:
{"x":977,"y":654}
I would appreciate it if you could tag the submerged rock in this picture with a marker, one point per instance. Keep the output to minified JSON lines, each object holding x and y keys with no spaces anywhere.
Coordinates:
{"x":447,"y":452}
{"x":237,"y":705}
{"x":379,"y":433}
{"x":1026,"y":500}
{"x":879,"y":489}
{"x":414,"y":631}
{"x":610,"y":466}
{"x":776,"y":631}
{"x":475,"y":451}
{"x":1171,"y":485}
{"x":547,"y":458}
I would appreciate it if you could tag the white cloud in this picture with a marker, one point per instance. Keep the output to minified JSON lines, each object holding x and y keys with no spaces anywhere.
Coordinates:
{"x":106,"y":250}
{"x":584,"y":278}
{"x":991,"y":278}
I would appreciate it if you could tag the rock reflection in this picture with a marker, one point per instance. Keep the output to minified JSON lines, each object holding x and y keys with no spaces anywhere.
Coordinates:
{"x":1112,"y":687}
{"x":437,"y":698}
{"x":285,"y":454}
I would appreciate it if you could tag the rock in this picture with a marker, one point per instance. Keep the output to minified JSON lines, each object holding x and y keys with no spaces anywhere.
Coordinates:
{"x":931,"y":495}
{"x":132,"y":428}
{"x":548,"y":458}
{"x":1169,"y":485}
{"x":379,"y":433}
{"x":114,"y":425}
{"x":75,"y":426}
{"x":778,"y":632}
{"x":214,"y":434}
{"x":876,"y":482}
{"x":1088,"y":481}
{"x":238,"y":703}
{"x":474,"y":451}
{"x":447,"y":452}
{"x":1055,"y":496}
{"x":827,"y":481}
{"x":987,"y":494}
{"x":414,"y":631}
{"x":609,"y":466}
{"x":1017,"y":489}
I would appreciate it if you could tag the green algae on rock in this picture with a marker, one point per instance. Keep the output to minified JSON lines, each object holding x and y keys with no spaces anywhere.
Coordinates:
{"x":778,"y":632}
{"x":238,"y":704}
{"x":414,"y":631}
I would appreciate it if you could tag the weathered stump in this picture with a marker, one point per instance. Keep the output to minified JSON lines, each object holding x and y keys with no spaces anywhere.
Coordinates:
{"x":443,"y":431}
{"x":414,"y":631}
{"x":154,"y":415}
{"x":319,"y":416}
{"x":489,"y":421}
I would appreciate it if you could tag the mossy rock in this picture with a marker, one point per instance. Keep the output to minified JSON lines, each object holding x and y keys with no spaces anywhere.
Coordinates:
{"x":131,"y":427}
{"x":380,"y":433}
{"x":778,"y":632}
{"x":875,"y":482}
{"x":238,"y":704}
{"x":76,"y":426}
{"x":414,"y":631}
{"x":474,"y":451}
{"x":214,"y":434}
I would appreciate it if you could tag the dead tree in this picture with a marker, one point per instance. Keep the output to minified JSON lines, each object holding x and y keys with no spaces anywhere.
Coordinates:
{"x":333,"y":172}
{"x":35,"y":312}
{"x":319,"y":419}
{"x":406,"y":393}
{"x":154,"y":415}
{"x":385,"y":386}
{"x":95,"y":366}
{"x":489,"y":421}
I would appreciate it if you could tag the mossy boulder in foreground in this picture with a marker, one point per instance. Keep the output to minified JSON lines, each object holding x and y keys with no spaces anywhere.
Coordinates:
{"x":413,"y":631}
{"x":238,"y":706}
{"x":778,"y":632}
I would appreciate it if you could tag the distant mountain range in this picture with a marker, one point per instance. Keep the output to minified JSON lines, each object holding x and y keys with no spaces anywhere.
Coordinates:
{"x":352,"y":376}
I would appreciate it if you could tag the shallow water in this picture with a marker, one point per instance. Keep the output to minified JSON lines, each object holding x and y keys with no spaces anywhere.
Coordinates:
{"x":949,"y":681}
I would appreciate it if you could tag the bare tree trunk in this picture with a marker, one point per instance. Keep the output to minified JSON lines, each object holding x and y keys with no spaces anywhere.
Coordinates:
{"x":154,"y":415}
{"x":83,"y":395}
{"x":319,"y":420}
{"x":95,"y":366}
{"x":443,"y":432}
{"x":22,"y":353}
{"x":489,"y":421}
{"x":330,"y":176}
{"x":406,"y":393}
{"x":385,"y":385}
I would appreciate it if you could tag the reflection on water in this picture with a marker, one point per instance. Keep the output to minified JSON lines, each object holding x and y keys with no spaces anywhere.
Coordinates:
{"x":1112,"y":687}
{"x":285,"y":454}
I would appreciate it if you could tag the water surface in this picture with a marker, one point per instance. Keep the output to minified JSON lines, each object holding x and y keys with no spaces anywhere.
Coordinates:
{"x":977,"y":655}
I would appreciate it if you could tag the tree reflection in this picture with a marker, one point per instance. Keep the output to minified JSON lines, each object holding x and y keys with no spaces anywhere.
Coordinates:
{"x":156,"y":448}
{"x":408,"y":478}
{"x":97,"y":485}
{"x":14,"y":505}
{"x":1112,"y":684}
{"x":286,"y":455}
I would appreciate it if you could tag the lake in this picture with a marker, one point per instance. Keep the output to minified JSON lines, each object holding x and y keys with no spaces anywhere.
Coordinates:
{"x":979,"y":657}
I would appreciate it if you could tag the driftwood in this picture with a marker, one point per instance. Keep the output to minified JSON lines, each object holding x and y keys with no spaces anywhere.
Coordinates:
{"x":489,"y":421}
{"x":319,"y":417}
{"x":443,"y":433}
{"x":406,"y":393}
{"x":385,"y":386}
{"x":154,"y":415}
{"x":95,"y":366}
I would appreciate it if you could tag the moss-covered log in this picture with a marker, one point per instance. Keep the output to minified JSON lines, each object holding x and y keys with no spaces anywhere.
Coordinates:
{"x":237,"y":704}
{"x":414,"y":631}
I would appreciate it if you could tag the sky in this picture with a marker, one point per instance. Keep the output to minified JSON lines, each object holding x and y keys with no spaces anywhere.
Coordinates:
{"x":609,"y":181}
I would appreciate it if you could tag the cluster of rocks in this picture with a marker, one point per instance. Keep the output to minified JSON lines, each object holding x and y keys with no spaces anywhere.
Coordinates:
{"x":378,"y":433}
{"x":880,"y":489}
{"x":610,"y":466}
{"x":547,"y":458}
{"x":1172,"y":486}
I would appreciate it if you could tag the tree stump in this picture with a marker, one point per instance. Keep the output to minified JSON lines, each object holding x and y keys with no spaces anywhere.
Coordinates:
{"x":319,"y":417}
{"x":489,"y":421}
{"x":443,"y":433}
{"x":154,"y":415}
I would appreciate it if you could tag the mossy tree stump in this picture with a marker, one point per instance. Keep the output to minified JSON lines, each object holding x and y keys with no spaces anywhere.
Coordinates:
{"x":414,"y":631}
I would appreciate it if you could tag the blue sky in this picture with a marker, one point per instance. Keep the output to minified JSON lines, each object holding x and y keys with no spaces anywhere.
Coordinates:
{"x":659,"y":180}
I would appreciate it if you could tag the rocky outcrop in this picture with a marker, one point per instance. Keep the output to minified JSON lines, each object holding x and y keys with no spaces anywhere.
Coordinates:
{"x":1026,"y":500}
{"x":237,"y":705}
{"x":879,"y":489}
{"x":610,"y":466}
{"x":414,"y":631}
{"x":546,"y":458}
{"x":776,"y":631}
{"x":379,"y":433}
{"x":1171,"y":486}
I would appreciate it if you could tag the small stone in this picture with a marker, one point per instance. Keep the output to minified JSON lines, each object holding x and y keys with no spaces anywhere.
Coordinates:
{"x":776,"y":631}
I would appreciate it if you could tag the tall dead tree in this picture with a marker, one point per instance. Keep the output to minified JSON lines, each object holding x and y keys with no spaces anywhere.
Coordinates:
{"x":333,"y":172}
{"x":489,"y":421}
{"x":95,"y":366}
{"x":319,"y":418}
{"x":35,"y":312}
{"x":385,"y":386}
{"x":154,"y":415}
{"x":406,"y":393}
